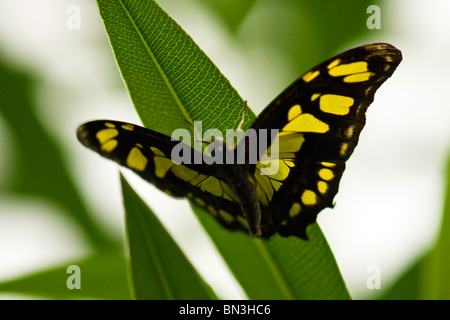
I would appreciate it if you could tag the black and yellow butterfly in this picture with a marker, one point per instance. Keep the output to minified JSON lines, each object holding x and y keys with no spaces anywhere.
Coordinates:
{"x":319,"y":118}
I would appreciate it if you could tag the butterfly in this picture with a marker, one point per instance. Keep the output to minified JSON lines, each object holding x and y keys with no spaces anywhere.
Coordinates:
{"x":318,"y":120}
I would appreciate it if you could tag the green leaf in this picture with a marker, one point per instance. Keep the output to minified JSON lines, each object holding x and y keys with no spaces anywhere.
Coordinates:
{"x":159,"y":269}
{"x":170,"y":81}
{"x":102,"y":276}
{"x":279,"y":268}
{"x":435,"y":277}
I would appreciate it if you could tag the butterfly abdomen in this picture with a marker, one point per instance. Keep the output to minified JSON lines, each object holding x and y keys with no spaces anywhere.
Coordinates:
{"x":237,"y":177}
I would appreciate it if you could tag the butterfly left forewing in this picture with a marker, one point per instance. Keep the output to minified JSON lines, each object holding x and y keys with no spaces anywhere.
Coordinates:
{"x":319,"y":118}
{"x":148,"y":154}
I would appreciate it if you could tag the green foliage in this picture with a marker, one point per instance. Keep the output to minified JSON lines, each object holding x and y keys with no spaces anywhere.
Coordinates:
{"x":170,"y":80}
{"x":103,"y":276}
{"x":167,"y":75}
{"x":278,"y":268}
{"x":275,"y":269}
{"x":39,"y":171}
{"x":159,"y":269}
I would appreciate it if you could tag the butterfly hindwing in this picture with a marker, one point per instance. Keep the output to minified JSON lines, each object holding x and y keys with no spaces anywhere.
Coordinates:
{"x":320,"y":117}
{"x":148,"y":154}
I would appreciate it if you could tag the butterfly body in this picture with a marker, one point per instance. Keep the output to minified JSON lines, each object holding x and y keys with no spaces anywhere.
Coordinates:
{"x":237,"y":176}
{"x":233,"y":170}
{"x":296,"y":172}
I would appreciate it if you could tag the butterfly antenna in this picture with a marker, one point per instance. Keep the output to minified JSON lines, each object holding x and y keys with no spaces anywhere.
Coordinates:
{"x":195,"y":133}
{"x":241,"y":123}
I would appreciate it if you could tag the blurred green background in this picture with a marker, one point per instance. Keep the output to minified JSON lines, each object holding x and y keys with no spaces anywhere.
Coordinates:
{"x":61,"y":204}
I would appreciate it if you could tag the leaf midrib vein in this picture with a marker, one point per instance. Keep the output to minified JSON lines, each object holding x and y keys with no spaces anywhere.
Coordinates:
{"x":274,"y":270}
{"x":158,"y":66}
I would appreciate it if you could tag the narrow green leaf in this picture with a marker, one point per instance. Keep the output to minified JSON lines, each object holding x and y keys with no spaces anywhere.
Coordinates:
{"x":101,"y":276}
{"x":159,"y":269}
{"x":407,"y":286}
{"x":170,"y":80}
{"x":435,"y":277}
{"x":279,"y":268}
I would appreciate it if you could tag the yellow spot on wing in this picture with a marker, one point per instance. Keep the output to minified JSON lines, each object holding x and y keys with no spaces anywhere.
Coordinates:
{"x":105,"y":137}
{"x":315,"y":96}
{"x":157,"y":152}
{"x":212,"y":186}
{"x":242,"y":221}
{"x":276,"y":184}
{"x":349,"y":131}
{"x":226,"y":216}
{"x":109,"y":145}
{"x":183,"y":172}
{"x":349,"y":68}
{"x":291,"y":143}
{"x":328,"y":164}
{"x":343,"y":150}
{"x":227,"y":192}
{"x":306,"y":123}
{"x":336,"y":104}
{"x":162,"y":165}
{"x":309,"y":198}
{"x":110,"y":125}
{"x":389,"y":58}
{"x":322,"y":186}
{"x":199,"y":201}
{"x":295,"y":209}
{"x":282,"y":172}
{"x":106,"y":134}
{"x":288,"y":144}
{"x":264,"y":190}
{"x":310,"y":76}
{"x":326,"y":174}
{"x":136,"y":160}
{"x":289,"y":163}
{"x":334,"y":63}
{"x":199,"y":178}
{"x":128,"y":127}
{"x":294,"y":112}
{"x":359,"y":77}
{"x":212,"y":210}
